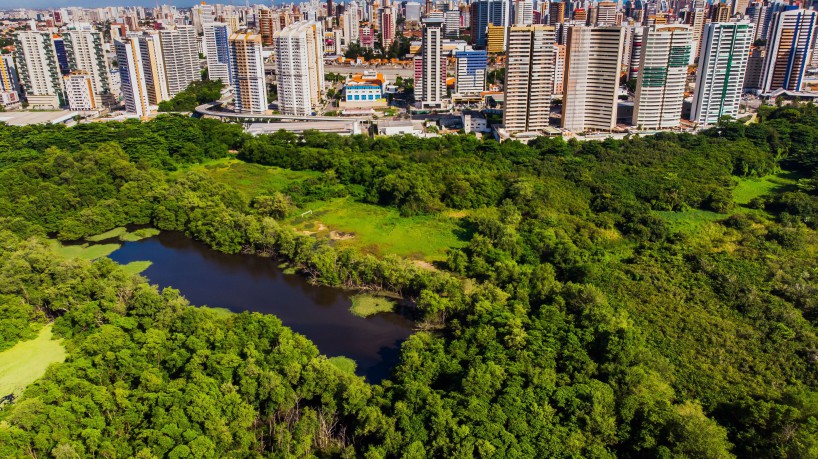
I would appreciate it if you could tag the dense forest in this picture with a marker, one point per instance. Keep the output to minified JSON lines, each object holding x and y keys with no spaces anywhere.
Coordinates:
{"x":578,"y":321}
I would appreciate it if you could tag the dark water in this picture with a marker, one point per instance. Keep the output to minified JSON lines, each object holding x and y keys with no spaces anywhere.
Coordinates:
{"x":251,"y":283}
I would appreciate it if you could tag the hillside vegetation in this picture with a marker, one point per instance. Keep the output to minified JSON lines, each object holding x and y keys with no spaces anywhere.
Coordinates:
{"x":645,"y":297}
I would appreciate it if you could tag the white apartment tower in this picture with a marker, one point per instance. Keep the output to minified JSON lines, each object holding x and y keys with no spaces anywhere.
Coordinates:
{"x":300,"y":65}
{"x":79,"y":91}
{"x":181,"y":52}
{"x":152,"y":66}
{"x":720,"y":76}
{"x":217,"y":51}
{"x":84,"y":49}
{"x":523,"y":12}
{"x":247,"y":73}
{"x":591,"y":85}
{"x":134,"y":91}
{"x":38,"y":70}
{"x":660,"y":85}
{"x":352,"y":23}
{"x":606,"y":14}
{"x":432,"y":87}
{"x":529,"y":75}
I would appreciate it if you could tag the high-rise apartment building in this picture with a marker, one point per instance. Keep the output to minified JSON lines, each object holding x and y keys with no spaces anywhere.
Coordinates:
{"x":606,"y":14}
{"x":696,"y":20}
{"x":79,"y":91}
{"x":451,"y":21}
{"x":529,"y":74}
{"x":591,"y":83}
{"x":247,"y":73}
{"x":152,"y":66}
{"x":181,"y":53}
{"x":300,"y":67}
{"x":523,"y":12}
{"x":352,"y":22}
{"x":580,"y":15}
{"x":636,"y":51}
{"x":486,"y":12}
{"x":9,"y":81}
{"x":37,"y":68}
{"x":739,"y":7}
{"x":132,"y":81}
{"x":265,"y":25}
{"x":84,"y":47}
{"x":432,"y":88}
{"x":660,"y":85}
{"x":556,"y":13}
{"x":721,"y":72}
{"x":217,"y":51}
{"x":471,"y":71}
{"x":559,"y":69}
{"x":496,"y":39}
{"x":721,"y":12}
{"x":755,"y":67}
{"x":387,"y":22}
{"x":789,"y":46}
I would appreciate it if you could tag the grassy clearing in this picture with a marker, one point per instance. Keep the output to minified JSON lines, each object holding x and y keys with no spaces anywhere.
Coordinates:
{"x":139,"y":234}
{"x":115,"y":233}
{"x":344,"y":364}
{"x":381,"y":230}
{"x":751,"y":188}
{"x":123,"y":234}
{"x":84,"y":251}
{"x":252,"y":179}
{"x":136,"y":267}
{"x":373,"y":229}
{"x":27,"y":361}
{"x":690,"y":220}
{"x":365,"y":305}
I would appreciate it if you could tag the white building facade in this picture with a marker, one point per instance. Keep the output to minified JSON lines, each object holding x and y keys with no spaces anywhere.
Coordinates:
{"x":720,"y":76}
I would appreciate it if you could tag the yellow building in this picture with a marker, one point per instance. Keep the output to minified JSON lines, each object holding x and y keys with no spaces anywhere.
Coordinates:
{"x":496,"y":39}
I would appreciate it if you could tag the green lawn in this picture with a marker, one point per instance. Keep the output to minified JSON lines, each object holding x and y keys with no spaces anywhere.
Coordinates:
{"x":114,"y":233}
{"x":344,"y":364}
{"x":371,"y":228}
{"x":138,"y":235}
{"x":136,"y":267}
{"x":381,"y":230}
{"x":252,"y":179}
{"x":365,"y":305}
{"x":27,"y":360}
{"x":123,"y":234}
{"x":690,"y":220}
{"x":84,"y":251}
{"x":751,"y":188}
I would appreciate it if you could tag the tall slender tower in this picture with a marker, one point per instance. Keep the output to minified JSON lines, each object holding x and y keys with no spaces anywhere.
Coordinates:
{"x":152,"y":66}
{"x":37,"y":67}
{"x":300,"y":67}
{"x":433,"y":67}
{"x":529,"y":78}
{"x":662,"y":75}
{"x":181,"y":52}
{"x":789,"y":45}
{"x":83,"y":47}
{"x":134,"y":91}
{"x":247,"y":73}
{"x":217,"y":50}
{"x":593,"y":57}
{"x":721,"y":72}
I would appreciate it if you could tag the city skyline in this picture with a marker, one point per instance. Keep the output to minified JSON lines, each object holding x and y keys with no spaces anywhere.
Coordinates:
{"x":51,"y":4}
